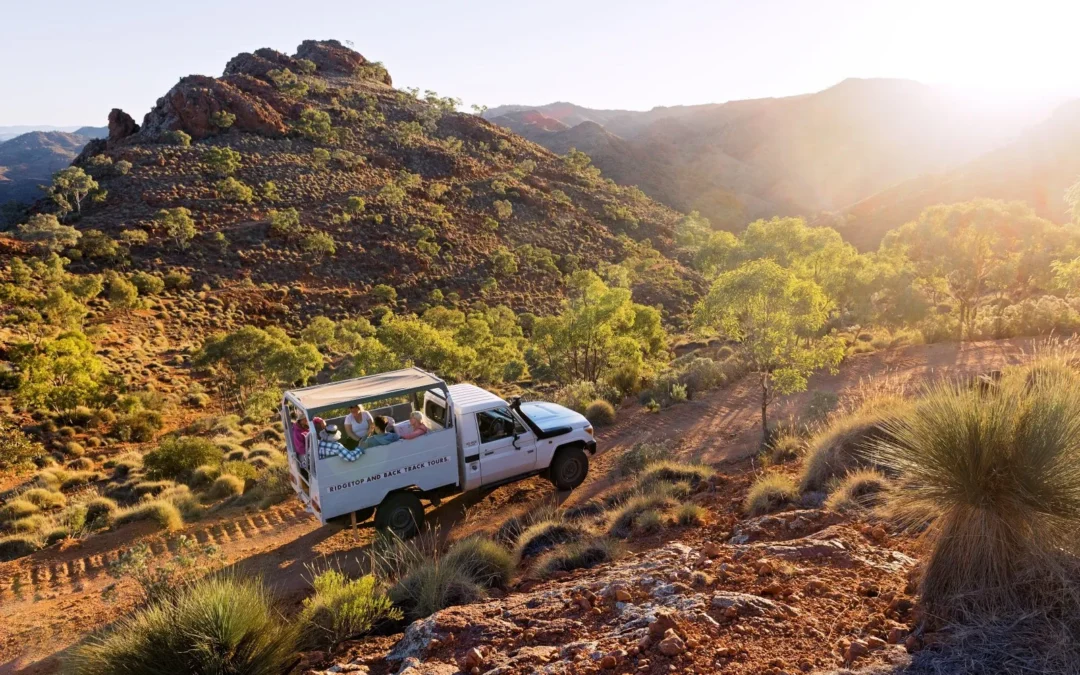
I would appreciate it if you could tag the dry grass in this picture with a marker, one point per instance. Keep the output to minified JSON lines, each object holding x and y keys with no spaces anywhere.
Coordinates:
{"x":858,"y":491}
{"x":770,"y":492}
{"x":163,"y":513}
{"x":845,"y":444}
{"x":996,"y":472}
{"x":578,"y":555}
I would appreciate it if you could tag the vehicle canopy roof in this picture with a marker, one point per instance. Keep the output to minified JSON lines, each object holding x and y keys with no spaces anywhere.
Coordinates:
{"x":469,"y":398}
{"x":335,"y":395}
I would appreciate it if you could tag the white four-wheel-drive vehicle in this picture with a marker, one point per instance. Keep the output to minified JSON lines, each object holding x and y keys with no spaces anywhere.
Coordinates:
{"x":475,"y":439}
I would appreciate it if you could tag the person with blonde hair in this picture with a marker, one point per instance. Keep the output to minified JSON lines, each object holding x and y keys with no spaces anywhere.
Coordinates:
{"x":416,"y":426}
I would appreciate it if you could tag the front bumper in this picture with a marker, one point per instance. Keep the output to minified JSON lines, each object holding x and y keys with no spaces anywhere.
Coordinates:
{"x":590,"y":447}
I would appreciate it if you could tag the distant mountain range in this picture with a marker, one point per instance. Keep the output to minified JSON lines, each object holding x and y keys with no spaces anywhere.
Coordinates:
{"x":29,"y":160}
{"x":7,"y":133}
{"x":872,"y":152}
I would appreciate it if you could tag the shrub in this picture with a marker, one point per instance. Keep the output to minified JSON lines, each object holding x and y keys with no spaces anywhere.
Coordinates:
{"x":151,"y":488}
{"x":770,"y":492}
{"x":178,"y":455}
{"x":225,"y":486}
{"x":634,"y":460}
{"x":45,"y":499}
{"x":579,"y":395}
{"x":18,"y":545}
{"x":432,"y":586}
{"x":163,"y":513}
{"x":234,"y":190}
{"x":690,"y":514}
{"x":858,"y":490}
{"x":148,"y":284}
{"x":600,"y":412}
{"x":205,"y":475}
{"x":846,"y":443}
{"x":242,"y":470}
{"x":547,"y":535}
{"x":579,"y":555}
{"x":284,"y":223}
{"x":994,"y":470}
{"x":223,"y":624}
{"x":223,"y":161}
{"x":343,"y":609}
{"x":482,"y":560}
{"x":17,"y":450}
{"x":178,"y":137}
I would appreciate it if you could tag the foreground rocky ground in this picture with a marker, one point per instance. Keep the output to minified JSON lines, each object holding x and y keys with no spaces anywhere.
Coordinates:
{"x":799,"y":591}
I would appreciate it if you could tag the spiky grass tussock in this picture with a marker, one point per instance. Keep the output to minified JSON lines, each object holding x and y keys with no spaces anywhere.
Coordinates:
{"x":163,"y":513}
{"x":511,"y":529}
{"x":675,"y":472}
{"x":546,"y":535}
{"x":343,"y":609}
{"x":770,"y":492}
{"x":631,"y":515}
{"x":995,"y":473}
{"x":847,"y":442}
{"x":860,"y":490}
{"x":217,"y":625}
{"x":425,"y":579}
{"x":689,"y":514}
{"x":578,"y":555}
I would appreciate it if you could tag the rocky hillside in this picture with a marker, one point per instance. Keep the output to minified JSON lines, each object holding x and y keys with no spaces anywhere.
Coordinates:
{"x":387,"y":189}
{"x":1037,"y":168}
{"x":29,"y":161}
{"x":796,"y":155}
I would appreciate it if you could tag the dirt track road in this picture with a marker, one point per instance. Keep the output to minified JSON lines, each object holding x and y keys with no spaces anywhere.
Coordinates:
{"x":49,"y":600}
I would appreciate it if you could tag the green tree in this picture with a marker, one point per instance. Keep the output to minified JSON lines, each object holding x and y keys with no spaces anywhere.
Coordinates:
{"x":594,"y":334}
{"x":252,"y":359}
{"x":318,"y":245}
{"x":776,"y":317}
{"x":122,"y":293}
{"x":223,"y":161}
{"x":503,"y":209}
{"x":69,"y":189}
{"x":284,"y":223}
{"x":315,"y":125}
{"x":428,"y":347}
{"x":61,"y":374}
{"x":46,"y":232}
{"x":270,"y":191}
{"x":178,"y":225}
{"x":222,"y":119}
{"x":234,"y":191}
{"x":384,"y":293}
{"x":17,"y":450}
{"x":178,"y":137}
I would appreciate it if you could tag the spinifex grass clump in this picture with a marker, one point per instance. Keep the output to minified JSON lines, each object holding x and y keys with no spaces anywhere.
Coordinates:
{"x":996,"y":473}
{"x":218,"y":625}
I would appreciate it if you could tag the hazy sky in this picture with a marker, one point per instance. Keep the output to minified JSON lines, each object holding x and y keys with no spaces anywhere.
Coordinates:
{"x":68,"y":63}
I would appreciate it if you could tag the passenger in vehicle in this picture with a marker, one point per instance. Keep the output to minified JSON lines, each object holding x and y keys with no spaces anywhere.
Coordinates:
{"x":414,"y":427}
{"x":384,"y":434}
{"x":300,"y":430}
{"x":358,"y":423}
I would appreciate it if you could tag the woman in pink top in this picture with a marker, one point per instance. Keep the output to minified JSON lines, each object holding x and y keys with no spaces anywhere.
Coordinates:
{"x":416,"y":424}
{"x":300,"y":430}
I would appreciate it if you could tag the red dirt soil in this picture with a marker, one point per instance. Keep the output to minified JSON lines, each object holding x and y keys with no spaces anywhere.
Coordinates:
{"x":52,"y":599}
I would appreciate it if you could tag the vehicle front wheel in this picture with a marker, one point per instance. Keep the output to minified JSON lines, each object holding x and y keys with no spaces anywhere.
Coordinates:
{"x":401,"y":513}
{"x":568,"y":469}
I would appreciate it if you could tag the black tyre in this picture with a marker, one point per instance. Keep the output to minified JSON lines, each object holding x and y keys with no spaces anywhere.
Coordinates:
{"x":400,"y":513}
{"x":568,"y":469}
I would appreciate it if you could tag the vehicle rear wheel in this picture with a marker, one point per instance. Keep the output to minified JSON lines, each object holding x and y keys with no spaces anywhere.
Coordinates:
{"x":568,"y":469}
{"x":401,"y":513}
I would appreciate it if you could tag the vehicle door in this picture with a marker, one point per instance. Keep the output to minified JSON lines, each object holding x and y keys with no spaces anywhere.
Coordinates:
{"x":507,"y":447}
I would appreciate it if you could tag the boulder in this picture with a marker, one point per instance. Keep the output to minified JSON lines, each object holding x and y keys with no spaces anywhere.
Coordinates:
{"x":331,"y":57}
{"x":121,"y":125}
{"x":190,"y":104}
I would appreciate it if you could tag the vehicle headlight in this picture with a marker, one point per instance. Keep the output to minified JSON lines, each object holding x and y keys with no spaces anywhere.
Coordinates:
{"x":588,"y":430}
